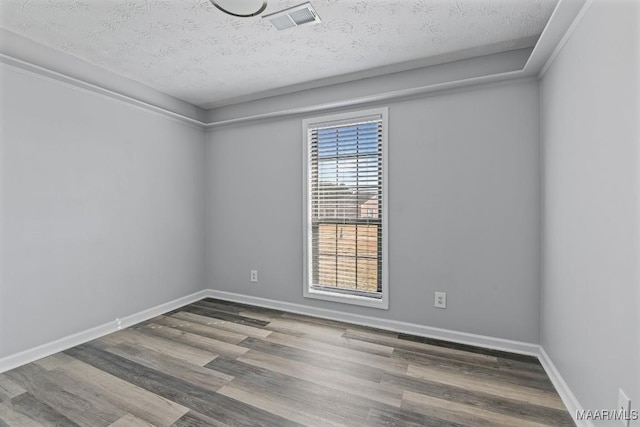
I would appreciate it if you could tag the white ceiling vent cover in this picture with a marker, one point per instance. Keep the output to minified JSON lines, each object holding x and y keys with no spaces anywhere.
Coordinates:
{"x":293,"y":17}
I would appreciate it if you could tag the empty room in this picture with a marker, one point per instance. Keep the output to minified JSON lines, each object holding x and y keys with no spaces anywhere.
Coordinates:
{"x":320,"y":213}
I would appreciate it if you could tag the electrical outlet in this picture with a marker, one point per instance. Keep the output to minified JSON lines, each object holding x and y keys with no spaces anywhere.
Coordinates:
{"x":624,"y":405}
{"x":254,"y":276}
{"x":440,"y":300}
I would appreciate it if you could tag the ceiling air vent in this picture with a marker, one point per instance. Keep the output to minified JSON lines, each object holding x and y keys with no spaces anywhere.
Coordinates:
{"x":293,"y":17}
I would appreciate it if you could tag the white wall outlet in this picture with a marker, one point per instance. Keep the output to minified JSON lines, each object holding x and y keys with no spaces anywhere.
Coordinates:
{"x":440,"y":300}
{"x":624,"y":405}
{"x":254,"y":276}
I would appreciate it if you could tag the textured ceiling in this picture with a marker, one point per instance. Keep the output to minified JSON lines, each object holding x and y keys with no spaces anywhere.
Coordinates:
{"x":191,"y":50}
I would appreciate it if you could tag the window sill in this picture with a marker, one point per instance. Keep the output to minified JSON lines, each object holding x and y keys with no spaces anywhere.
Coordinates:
{"x":380,"y":303}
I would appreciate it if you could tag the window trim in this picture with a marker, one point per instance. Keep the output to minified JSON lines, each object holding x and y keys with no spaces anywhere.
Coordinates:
{"x":352,"y":116}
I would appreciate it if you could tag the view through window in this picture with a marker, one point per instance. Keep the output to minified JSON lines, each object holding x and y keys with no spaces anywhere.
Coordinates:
{"x":345,"y":195}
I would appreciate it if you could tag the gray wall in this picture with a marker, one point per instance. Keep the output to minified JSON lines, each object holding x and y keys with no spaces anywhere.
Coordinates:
{"x":102,"y":210}
{"x":590,"y":132}
{"x":463,"y":211}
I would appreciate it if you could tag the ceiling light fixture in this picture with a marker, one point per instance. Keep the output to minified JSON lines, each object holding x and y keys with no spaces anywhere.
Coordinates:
{"x":294,"y":17}
{"x":241,"y":8}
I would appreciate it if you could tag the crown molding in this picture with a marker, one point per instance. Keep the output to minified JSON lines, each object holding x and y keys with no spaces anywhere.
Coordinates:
{"x":487,"y":69}
{"x":359,"y":90}
{"x":417,"y":82}
{"x":27,"y":55}
{"x":426,"y":81}
{"x":76,"y":84}
{"x":577,"y":18}
{"x":383,"y":98}
{"x":524,"y":43}
{"x":558,"y":25}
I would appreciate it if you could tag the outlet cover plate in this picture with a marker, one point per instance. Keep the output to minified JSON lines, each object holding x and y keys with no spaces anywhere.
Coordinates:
{"x":440,"y":300}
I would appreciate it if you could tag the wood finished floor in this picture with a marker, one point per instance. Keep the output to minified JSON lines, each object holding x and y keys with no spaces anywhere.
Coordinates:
{"x":215,"y":363}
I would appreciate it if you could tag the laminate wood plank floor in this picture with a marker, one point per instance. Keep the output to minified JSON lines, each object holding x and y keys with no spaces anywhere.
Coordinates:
{"x":217,"y":363}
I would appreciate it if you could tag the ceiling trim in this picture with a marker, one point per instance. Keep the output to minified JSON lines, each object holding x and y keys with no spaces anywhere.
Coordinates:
{"x":525,"y":43}
{"x":37,"y":71}
{"x":560,"y":23}
{"x":417,"y":79}
{"x":566,"y":37}
{"x":406,"y":84}
{"x":399,"y":95}
{"x":27,"y":51}
{"x":45,"y":63}
{"x":383,"y":88}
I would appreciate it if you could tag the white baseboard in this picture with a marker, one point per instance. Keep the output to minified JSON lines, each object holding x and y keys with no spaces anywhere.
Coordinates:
{"x":567,"y":396}
{"x":33,"y":354}
{"x":391,"y":325}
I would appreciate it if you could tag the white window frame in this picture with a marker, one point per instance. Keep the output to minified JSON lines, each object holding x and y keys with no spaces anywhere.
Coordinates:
{"x":308,"y":292}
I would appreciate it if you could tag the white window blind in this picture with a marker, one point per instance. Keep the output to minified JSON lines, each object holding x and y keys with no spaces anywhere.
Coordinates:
{"x":345,"y":203}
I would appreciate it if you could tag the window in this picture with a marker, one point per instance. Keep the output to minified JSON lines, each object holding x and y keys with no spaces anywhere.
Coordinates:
{"x":345,"y":208}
